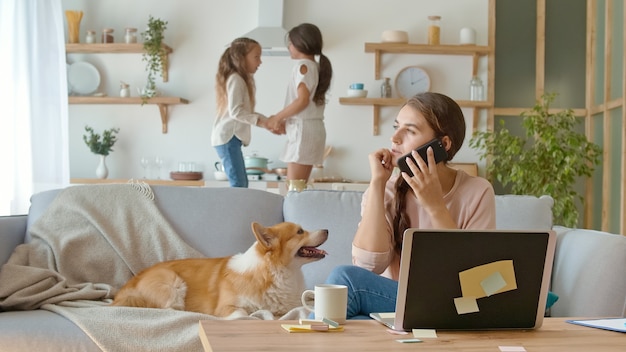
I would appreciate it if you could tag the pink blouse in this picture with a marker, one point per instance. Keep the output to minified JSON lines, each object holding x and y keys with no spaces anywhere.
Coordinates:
{"x":471,"y":201}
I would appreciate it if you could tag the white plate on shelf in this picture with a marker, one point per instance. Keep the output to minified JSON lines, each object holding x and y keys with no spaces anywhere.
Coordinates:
{"x":83,"y":78}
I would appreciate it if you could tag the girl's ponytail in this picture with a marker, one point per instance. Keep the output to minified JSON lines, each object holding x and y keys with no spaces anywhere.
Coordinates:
{"x":325,"y":76}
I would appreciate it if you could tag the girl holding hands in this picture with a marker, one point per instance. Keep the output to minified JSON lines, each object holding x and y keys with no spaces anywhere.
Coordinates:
{"x":302,"y":119}
{"x":235,"y":90}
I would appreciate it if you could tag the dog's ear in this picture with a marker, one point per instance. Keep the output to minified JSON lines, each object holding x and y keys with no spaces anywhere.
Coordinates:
{"x":262,"y":234}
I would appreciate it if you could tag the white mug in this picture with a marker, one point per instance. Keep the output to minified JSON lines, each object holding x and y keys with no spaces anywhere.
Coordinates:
{"x":331,"y":302}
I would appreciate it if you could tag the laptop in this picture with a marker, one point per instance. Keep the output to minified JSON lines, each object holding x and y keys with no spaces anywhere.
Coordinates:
{"x":472,"y":280}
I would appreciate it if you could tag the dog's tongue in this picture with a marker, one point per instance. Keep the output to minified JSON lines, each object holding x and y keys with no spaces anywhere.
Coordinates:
{"x":311,"y":252}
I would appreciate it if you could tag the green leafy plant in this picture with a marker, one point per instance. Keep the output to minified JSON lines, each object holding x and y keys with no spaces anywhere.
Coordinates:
{"x":154,"y":53}
{"x":97,"y":146}
{"x":548,"y":160}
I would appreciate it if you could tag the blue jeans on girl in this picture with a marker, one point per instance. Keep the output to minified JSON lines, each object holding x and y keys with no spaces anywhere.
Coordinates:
{"x":233,"y":162}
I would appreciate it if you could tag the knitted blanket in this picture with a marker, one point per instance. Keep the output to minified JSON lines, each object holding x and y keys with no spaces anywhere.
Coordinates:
{"x":87,"y":244}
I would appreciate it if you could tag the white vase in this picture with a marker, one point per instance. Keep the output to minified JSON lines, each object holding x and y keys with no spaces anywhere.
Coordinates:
{"x":102,"y":171}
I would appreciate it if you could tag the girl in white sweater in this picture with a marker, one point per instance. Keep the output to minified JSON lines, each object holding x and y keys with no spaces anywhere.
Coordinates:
{"x":235,"y":90}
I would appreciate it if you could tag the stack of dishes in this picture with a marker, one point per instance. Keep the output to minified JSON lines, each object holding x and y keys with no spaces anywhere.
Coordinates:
{"x":395,"y":36}
{"x":356,"y":90}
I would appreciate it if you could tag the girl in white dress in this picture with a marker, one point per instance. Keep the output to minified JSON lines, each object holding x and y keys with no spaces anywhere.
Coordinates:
{"x":302,"y":119}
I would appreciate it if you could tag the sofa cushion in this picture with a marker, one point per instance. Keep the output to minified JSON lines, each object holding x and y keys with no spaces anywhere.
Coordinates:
{"x":340,"y":213}
{"x":522,"y":212}
{"x":203,"y":217}
{"x":588,"y":274}
{"x":217,"y":221}
{"x":337,"y":211}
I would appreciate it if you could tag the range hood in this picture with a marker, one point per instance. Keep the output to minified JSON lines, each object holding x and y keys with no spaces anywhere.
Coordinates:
{"x":269,"y":31}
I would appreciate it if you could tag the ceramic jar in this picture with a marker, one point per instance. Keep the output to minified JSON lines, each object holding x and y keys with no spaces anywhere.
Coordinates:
{"x":130,"y":36}
{"x":467,"y":36}
{"x":124,"y":90}
{"x":91,"y":37}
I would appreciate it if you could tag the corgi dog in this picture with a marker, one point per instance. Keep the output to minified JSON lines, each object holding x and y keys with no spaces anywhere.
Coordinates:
{"x":267,"y":276}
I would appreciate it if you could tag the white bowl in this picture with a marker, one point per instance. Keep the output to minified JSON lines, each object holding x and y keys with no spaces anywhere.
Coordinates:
{"x":220,"y":176}
{"x":394,"y":36}
{"x":357,"y":93}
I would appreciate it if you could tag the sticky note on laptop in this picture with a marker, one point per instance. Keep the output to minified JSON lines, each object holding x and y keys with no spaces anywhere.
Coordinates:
{"x":493,"y":283}
{"x":466,"y":305}
{"x":488,"y":279}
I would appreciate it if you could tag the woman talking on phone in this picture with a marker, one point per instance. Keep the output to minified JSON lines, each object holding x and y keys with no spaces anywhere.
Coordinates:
{"x":435,"y":196}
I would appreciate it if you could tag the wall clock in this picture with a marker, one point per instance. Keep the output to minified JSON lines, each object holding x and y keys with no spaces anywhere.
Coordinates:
{"x":412,"y":80}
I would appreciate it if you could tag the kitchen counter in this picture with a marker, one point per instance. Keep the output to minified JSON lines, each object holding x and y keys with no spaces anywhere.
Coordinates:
{"x":278,"y":187}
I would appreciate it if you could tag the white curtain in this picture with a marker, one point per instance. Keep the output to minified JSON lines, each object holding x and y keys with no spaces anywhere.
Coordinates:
{"x":33,"y":102}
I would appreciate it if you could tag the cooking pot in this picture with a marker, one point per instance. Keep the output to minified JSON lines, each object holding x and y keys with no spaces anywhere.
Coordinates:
{"x":257,"y":163}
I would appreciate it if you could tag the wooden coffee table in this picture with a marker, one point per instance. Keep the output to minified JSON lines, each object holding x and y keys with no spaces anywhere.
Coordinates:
{"x":368,"y":335}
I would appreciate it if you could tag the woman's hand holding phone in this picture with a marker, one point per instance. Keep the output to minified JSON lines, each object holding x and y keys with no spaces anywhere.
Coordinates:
{"x":425,"y":180}
{"x":419,"y":170}
{"x":439,"y":152}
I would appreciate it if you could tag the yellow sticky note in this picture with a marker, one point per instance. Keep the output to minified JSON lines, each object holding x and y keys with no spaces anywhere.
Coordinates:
{"x":466,"y":305}
{"x":492,"y":275}
{"x":308,"y":328}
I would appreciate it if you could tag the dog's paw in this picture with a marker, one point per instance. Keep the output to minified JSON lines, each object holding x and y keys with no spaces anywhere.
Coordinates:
{"x":238,"y":313}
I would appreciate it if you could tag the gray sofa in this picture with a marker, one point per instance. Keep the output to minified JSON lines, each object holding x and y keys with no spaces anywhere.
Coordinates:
{"x":588,"y":273}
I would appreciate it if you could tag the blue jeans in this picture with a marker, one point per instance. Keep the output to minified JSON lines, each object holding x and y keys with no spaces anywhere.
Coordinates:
{"x":233,"y":162}
{"x":367,"y":292}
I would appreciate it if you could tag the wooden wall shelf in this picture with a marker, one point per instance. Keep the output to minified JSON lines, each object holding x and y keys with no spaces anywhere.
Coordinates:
{"x":110,"y":48}
{"x":117,"y":48}
{"x":161,"y":102}
{"x":378,"y":49}
{"x":400,"y":101}
{"x":475,"y":51}
{"x":377,"y":103}
{"x":123,"y":48}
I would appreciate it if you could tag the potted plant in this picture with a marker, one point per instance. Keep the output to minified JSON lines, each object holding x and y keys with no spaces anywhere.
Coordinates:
{"x":548,"y":160}
{"x":101,"y":147}
{"x":154,"y":54}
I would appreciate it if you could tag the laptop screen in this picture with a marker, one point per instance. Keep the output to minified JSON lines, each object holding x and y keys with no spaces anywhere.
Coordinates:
{"x":474,"y":280}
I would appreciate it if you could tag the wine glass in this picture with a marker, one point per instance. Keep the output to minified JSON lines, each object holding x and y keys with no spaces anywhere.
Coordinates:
{"x":144,"y":164}
{"x":158,"y":161}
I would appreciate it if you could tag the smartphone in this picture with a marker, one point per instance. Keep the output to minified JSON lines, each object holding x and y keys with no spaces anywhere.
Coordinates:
{"x":438,"y":149}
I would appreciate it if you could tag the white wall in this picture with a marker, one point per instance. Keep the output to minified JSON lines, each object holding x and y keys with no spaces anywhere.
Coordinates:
{"x":198,"y":32}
